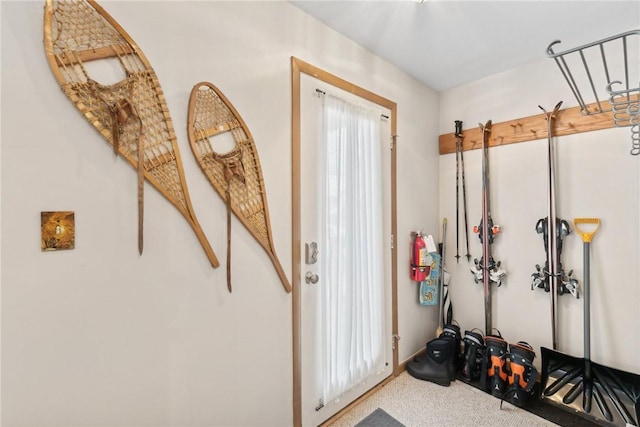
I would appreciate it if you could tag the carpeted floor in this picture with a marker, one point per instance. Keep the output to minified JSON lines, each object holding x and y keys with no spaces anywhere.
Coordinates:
{"x":416,"y":403}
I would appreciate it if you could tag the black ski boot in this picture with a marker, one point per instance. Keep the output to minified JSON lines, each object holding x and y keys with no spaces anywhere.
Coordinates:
{"x":522,"y":376}
{"x":452,"y":332}
{"x":497,"y":350}
{"x":437,"y":364}
{"x":474,"y":354}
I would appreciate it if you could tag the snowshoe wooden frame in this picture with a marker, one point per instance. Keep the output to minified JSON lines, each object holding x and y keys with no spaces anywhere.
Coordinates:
{"x":132,"y":114}
{"x":235,"y":175}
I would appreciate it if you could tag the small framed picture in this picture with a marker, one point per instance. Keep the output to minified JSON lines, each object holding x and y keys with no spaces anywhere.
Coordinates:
{"x":58,"y":230}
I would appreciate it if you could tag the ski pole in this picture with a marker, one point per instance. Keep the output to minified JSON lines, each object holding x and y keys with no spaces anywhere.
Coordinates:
{"x":458,"y":147}
{"x":460,"y":171}
{"x":464,"y":203}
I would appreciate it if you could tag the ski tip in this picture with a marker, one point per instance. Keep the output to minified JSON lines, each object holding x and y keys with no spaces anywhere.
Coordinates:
{"x":555,"y":109}
{"x":485,"y":127}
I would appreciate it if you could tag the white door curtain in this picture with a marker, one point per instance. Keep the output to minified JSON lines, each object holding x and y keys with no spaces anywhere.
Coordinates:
{"x":352,"y":237}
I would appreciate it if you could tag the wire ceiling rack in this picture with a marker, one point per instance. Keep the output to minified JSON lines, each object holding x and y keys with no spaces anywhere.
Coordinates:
{"x":607,"y":69}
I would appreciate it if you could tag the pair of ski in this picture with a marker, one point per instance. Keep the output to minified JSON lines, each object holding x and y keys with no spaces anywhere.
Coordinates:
{"x":553,"y":277}
{"x":487,"y":270}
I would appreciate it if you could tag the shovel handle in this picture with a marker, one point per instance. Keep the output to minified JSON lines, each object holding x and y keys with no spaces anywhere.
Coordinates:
{"x":586,"y":236}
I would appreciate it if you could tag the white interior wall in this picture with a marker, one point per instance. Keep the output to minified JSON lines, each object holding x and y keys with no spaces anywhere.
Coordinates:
{"x":100,"y":335}
{"x":595,"y":177}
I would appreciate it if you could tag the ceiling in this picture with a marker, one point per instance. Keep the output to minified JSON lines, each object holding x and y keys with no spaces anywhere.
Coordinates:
{"x":447,"y":43}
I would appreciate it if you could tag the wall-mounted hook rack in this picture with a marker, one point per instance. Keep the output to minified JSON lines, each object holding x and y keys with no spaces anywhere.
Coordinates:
{"x":568,"y":122}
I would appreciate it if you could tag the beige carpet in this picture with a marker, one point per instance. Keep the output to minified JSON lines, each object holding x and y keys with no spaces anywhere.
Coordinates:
{"x":417,"y":403}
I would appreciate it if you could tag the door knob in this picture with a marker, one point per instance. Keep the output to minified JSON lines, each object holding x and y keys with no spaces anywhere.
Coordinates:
{"x":311,"y":278}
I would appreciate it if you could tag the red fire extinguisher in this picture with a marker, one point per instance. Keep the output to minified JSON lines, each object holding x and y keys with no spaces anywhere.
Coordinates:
{"x":419,"y":269}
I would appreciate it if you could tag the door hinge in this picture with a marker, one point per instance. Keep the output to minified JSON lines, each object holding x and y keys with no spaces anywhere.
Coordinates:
{"x":394,"y":340}
{"x":393,"y":241}
{"x":392,"y":143}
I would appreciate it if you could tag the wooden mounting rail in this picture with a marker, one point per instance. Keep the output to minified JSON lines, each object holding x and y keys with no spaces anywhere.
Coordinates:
{"x":567,"y":122}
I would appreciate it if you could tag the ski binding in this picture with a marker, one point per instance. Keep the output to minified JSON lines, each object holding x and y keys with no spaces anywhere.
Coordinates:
{"x":496,"y":272}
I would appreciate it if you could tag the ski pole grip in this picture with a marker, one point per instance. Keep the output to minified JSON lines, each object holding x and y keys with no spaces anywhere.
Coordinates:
{"x":587,"y":236}
{"x":458,"y":127}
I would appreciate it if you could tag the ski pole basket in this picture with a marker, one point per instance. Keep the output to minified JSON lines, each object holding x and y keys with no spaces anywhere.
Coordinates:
{"x":615,"y":73}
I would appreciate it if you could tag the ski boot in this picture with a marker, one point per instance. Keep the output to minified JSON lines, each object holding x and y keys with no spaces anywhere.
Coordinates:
{"x":452,"y":332}
{"x":474,"y":354}
{"x":522,"y":376}
{"x":497,"y":350}
{"x":437,"y":365}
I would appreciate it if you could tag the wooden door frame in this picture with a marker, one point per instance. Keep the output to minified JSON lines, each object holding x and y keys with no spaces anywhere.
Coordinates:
{"x":297,"y":67}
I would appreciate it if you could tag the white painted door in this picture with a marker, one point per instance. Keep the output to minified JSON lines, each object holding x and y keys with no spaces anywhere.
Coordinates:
{"x":314,"y":410}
